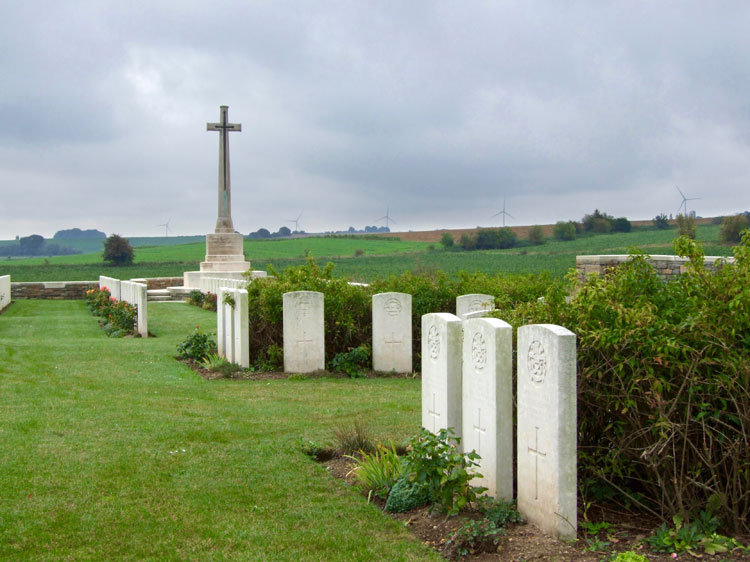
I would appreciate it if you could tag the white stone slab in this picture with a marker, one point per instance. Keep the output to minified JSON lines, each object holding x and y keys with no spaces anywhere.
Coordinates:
{"x":112,"y":284}
{"x":488,"y":402}
{"x":547,"y":431}
{"x":4,"y":291}
{"x":473,"y":303}
{"x":137,"y":295}
{"x":391,"y":332}
{"x":241,"y":329}
{"x":441,"y":372}
{"x":221,"y":325}
{"x":304,"y":341}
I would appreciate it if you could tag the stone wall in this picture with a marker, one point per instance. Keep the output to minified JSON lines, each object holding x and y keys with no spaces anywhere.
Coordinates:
{"x":666,"y":266}
{"x":159,"y":282}
{"x":54,"y":290}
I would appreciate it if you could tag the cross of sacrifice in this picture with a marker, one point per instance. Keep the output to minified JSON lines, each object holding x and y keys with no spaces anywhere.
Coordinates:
{"x":224,"y":222}
{"x":537,"y":453}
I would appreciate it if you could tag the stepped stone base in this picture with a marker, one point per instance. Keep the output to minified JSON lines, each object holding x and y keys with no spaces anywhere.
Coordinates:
{"x":224,"y":252}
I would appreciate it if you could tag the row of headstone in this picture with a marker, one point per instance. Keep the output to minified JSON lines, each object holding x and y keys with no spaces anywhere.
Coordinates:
{"x":4,"y":291}
{"x":467,"y":369}
{"x":232,"y":326}
{"x":132,"y":293}
{"x":215,"y":284}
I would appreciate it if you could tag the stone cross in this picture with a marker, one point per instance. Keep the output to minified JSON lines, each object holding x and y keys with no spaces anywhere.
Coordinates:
{"x":224,"y":221}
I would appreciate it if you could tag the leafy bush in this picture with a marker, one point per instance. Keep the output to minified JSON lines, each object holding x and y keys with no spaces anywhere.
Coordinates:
{"x":732,"y":227}
{"x":691,"y":537}
{"x":468,"y":242}
{"x":474,"y":536}
{"x":629,"y":556}
{"x":495,"y":238}
{"x":117,"y":318}
{"x":352,"y":362}
{"x":686,"y":226}
{"x":663,"y":379}
{"x":564,"y":230}
{"x":598,"y":222}
{"x":661,"y":221}
{"x":377,"y":472}
{"x":536,"y":235}
{"x":118,"y":250}
{"x":197,"y":346}
{"x":435,"y":463}
{"x":196,"y":297}
{"x":406,"y":495}
{"x":621,"y":224}
{"x":218,"y":364}
{"x":446,"y":240}
{"x":209,"y":302}
{"x":500,"y":512}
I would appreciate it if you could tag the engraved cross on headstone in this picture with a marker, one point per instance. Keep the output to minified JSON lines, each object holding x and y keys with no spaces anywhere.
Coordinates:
{"x":480,"y":430}
{"x":434,"y":413}
{"x":537,"y":453}
{"x":224,"y":221}
{"x":305,"y":339}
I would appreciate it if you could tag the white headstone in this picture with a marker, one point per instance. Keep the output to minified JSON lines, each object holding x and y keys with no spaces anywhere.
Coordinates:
{"x":473,"y":303}
{"x":441,"y":372}
{"x":547,"y":428}
{"x":391,"y":332}
{"x":241,"y":329}
{"x":112,"y":284}
{"x":224,"y":326}
{"x":488,"y":402}
{"x":4,"y":291}
{"x":140,"y":298}
{"x":304,"y":341}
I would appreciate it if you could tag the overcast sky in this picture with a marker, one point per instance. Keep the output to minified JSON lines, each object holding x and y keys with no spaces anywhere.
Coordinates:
{"x":433,"y":110}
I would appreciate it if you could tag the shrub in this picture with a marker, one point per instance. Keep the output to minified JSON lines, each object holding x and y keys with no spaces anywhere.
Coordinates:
{"x":117,"y":318}
{"x":405,"y":495}
{"x":196,"y":298}
{"x":354,"y":439}
{"x":663,"y":377}
{"x":661,"y":221}
{"x":495,"y":238}
{"x":468,"y":242}
{"x":597,"y":222}
{"x":446,"y":240}
{"x":686,"y":226}
{"x":436,"y":464}
{"x":352,"y":362}
{"x":564,"y":230}
{"x":621,"y":225}
{"x":536,"y":235}
{"x":209,"y":302}
{"x":197,"y":346}
{"x":474,"y":536}
{"x":118,"y":250}
{"x":732,"y":227}
{"x":377,"y":472}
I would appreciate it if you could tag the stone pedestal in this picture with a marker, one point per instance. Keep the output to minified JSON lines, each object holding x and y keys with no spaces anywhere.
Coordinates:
{"x":224,"y":252}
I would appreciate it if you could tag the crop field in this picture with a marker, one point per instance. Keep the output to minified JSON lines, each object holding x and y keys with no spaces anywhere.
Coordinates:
{"x":360,"y":258}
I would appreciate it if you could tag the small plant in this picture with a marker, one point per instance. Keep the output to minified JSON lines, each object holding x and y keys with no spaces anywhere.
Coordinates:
{"x":196,"y":346}
{"x":377,"y":472}
{"x":699,"y":534}
{"x":353,"y":362}
{"x":405,"y":496}
{"x":229,"y":300}
{"x":359,"y":252}
{"x":629,"y":556}
{"x":475,"y":536}
{"x":218,"y":364}
{"x":354,"y":439}
{"x":500,"y":512}
{"x":315,"y":450}
{"x":209,"y":302}
{"x":436,"y":463}
{"x":196,"y":297}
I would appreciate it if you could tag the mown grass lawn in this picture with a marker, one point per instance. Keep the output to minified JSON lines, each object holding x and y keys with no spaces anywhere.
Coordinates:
{"x":110,"y":449}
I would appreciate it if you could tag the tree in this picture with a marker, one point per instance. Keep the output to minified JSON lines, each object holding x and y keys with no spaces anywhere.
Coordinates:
{"x":447,"y":240}
{"x":621,"y":224}
{"x":31,"y":245}
{"x":731,"y":227}
{"x":118,"y":250}
{"x":686,"y":226}
{"x":564,"y":230}
{"x":536,"y":235}
{"x":284,"y":231}
{"x":597,"y":222}
{"x":661,"y":221}
{"x":260,"y":233}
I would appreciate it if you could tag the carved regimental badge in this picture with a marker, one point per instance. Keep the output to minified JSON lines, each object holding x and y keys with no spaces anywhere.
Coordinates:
{"x":537,"y":362}
{"x":479,"y":351}
{"x":433,"y":342}
{"x":392,"y":307}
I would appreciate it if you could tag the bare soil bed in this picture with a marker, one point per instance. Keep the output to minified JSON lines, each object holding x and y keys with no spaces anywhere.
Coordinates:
{"x":524,"y":543}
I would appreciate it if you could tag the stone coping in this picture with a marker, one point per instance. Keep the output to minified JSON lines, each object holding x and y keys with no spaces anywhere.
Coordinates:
{"x":598,"y":259}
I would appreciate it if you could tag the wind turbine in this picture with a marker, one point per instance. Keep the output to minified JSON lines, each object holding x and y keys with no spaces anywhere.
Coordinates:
{"x":387,"y":218}
{"x":503,"y":213}
{"x":296,"y":222}
{"x":684,"y":202}
{"x":166,"y":227}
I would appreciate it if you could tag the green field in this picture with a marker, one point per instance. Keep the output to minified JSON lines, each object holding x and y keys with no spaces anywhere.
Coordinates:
{"x":379,"y":258}
{"x":111,"y":449}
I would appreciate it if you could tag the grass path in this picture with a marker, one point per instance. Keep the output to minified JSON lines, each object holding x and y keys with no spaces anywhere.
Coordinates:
{"x":110,"y":449}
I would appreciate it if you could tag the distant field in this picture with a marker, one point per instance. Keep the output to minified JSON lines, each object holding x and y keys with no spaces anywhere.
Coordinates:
{"x":379,"y":257}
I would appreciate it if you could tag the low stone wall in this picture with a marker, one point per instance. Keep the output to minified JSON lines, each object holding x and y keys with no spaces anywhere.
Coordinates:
{"x":53,"y":290}
{"x":666,"y":266}
{"x":159,"y":282}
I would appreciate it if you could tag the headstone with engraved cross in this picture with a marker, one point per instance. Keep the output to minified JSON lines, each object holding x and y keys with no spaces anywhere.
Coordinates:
{"x":391,"y":332}
{"x":441,"y":372}
{"x":304,"y":340}
{"x":487,"y":402}
{"x":546,"y":445}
